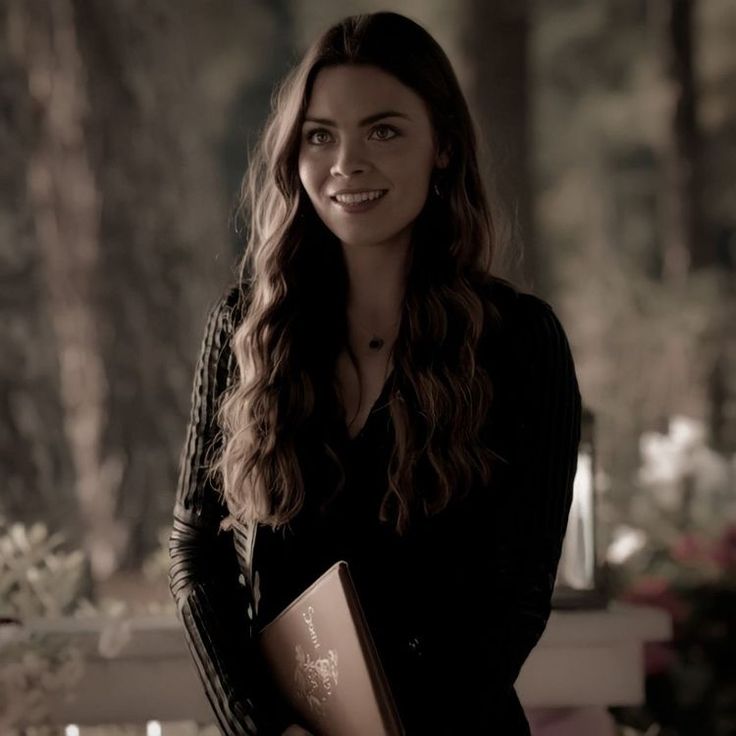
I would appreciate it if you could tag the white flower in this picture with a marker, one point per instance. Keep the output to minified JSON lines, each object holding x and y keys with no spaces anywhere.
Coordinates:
{"x":113,"y":638}
{"x":626,"y":542}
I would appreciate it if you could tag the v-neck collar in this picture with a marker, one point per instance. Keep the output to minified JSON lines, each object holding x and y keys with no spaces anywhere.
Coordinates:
{"x":378,"y":404}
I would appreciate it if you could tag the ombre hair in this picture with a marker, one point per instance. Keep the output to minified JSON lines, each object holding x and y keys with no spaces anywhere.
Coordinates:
{"x":294,"y":290}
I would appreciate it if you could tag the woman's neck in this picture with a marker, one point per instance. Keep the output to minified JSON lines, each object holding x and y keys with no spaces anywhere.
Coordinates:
{"x":377,"y":282}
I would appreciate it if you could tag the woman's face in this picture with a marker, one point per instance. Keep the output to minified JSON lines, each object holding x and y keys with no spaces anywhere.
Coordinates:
{"x":367,"y":133}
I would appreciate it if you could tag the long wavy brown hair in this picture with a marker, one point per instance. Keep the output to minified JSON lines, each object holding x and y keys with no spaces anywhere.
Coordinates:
{"x":294,"y":289}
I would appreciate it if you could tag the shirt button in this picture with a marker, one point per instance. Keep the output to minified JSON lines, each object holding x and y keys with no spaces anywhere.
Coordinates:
{"x":415,"y":646}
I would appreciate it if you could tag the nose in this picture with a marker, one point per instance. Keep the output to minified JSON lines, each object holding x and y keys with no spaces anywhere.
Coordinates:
{"x":350,"y":159}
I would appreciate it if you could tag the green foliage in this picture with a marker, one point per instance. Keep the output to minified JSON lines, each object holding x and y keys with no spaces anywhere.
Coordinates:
{"x":37,"y":578}
{"x":31,"y":672}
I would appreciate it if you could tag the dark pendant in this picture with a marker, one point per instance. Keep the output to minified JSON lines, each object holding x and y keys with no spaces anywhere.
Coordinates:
{"x":376,"y":343}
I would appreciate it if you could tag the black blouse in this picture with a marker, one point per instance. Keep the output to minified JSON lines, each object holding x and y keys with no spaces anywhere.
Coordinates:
{"x":457,"y":605}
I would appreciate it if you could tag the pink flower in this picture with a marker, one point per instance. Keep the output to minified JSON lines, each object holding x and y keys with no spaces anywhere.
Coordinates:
{"x":658,"y":657}
{"x":689,"y":548}
{"x":657,"y":592}
{"x":723,"y":550}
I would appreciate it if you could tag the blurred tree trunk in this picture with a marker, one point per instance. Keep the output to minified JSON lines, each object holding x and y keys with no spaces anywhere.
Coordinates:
{"x":163,"y":80}
{"x":251,"y":104}
{"x":38,"y":472}
{"x":687,"y":134}
{"x":686,"y":245}
{"x":496,"y":43}
{"x":65,"y":205}
{"x":122,"y":212}
{"x":691,"y":236}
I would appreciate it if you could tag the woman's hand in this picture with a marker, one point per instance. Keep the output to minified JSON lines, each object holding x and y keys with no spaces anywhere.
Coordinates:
{"x":295,"y":730}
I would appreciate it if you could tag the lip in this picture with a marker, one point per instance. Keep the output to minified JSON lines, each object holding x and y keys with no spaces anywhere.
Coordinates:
{"x":356,"y":207}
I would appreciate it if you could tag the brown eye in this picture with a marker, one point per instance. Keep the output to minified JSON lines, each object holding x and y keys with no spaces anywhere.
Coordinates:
{"x":317,"y":131}
{"x":386,"y":129}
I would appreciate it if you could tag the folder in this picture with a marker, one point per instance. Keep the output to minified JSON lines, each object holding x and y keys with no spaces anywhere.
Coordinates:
{"x":322,"y":658}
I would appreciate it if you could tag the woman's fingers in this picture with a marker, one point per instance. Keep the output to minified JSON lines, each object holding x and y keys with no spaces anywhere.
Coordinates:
{"x":296,"y":730}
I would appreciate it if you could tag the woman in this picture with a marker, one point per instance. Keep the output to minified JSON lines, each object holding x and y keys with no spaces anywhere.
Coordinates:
{"x":369,"y":391}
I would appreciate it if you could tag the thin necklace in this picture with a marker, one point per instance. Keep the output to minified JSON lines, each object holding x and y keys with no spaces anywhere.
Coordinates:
{"x":376,"y":342}
{"x":360,"y":387}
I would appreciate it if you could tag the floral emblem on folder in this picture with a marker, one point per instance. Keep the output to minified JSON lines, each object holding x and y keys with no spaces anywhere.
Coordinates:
{"x":315,"y":679}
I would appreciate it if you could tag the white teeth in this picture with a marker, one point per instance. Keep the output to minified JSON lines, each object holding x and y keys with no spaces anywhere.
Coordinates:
{"x":359,"y":197}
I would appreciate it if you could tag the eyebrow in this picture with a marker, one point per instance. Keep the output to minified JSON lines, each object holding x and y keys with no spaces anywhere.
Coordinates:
{"x":365,"y":121}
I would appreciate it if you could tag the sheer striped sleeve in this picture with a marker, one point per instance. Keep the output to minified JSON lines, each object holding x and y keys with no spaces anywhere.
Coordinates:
{"x":213,"y":600}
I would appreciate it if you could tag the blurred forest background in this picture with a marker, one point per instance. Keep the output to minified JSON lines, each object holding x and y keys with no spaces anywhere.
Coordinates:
{"x":609,"y":143}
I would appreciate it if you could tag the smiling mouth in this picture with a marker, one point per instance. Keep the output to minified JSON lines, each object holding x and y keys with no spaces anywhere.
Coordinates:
{"x":359,"y":197}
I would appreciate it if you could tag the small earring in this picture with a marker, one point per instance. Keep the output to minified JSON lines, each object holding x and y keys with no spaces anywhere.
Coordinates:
{"x":436,"y":189}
